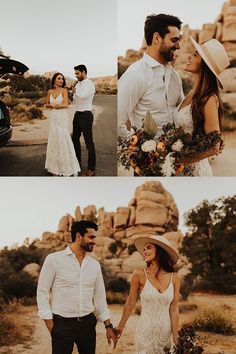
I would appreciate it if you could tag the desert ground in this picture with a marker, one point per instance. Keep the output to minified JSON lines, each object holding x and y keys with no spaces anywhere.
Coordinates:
{"x":38,"y":338}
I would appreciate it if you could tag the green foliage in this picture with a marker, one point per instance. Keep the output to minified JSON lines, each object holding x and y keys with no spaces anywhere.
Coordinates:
{"x":31,"y":84}
{"x":188,"y":342}
{"x":214,"y":320}
{"x":119,"y":285}
{"x":14,"y":282}
{"x":210,"y":243}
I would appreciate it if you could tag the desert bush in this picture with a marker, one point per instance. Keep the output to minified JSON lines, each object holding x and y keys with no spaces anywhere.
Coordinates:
{"x":188,"y":342}
{"x":40,"y":102}
{"x":10,"y":101}
{"x":119,"y":285}
{"x":30,"y":94}
{"x":25,"y":102}
{"x":186,"y":286}
{"x":116,"y":298}
{"x":214,"y":320}
{"x":20,"y":108}
{"x":187,"y":307}
{"x":113,"y":247}
{"x":131,"y":249}
{"x":36,"y":113}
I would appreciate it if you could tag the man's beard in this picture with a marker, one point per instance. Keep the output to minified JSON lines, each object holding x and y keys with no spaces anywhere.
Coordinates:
{"x":88,"y":247}
{"x":167,"y":53}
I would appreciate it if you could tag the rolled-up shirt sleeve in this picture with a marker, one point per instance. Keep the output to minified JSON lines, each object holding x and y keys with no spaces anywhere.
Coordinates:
{"x":130,"y":88}
{"x":100,"y":303}
{"x":46,"y":279}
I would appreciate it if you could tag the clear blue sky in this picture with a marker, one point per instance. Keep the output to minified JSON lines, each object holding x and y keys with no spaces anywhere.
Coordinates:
{"x":51,"y":35}
{"x":30,"y":206}
{"x":132,"y":14}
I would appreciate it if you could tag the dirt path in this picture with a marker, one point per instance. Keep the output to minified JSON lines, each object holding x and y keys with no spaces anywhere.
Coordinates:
{"x":39,"y":342}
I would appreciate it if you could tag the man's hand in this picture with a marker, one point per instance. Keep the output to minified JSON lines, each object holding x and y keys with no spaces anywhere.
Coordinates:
{"x":49,"y":324}
{"x":111,"y":336}
{"x":118,"y":332}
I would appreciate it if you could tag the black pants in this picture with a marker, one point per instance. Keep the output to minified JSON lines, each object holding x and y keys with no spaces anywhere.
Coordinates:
{"x":83,"y":123}
{"x":66,"y":332}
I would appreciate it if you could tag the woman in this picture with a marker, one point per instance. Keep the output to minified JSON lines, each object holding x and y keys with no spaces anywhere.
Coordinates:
{"x":60,"y":157}
{"x":158,"y":288}
{"x":201,"y":109}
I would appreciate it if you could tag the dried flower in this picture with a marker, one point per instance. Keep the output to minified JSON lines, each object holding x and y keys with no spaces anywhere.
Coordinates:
{"x":134,"y":140}
{"x":161,"y":146}
{"x":178,"y":145}
{"x":149,"y":145}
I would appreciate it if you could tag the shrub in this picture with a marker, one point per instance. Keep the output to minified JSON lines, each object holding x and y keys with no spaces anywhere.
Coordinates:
{"x":185,"y":308}
{"x":30,"y":94}
{"x":36,"y":113}
{"x":25,"y":102}
{"x":131,"y":249}
{"x":214,"y":320}
{"x":40,"y":102}
{"x":17,"y":285}
{"x":119,"y":285}
{"x":116,"y":298}
{"x":113,"y":247}
{"x":186,"y":287}
{"x":188,"y":342}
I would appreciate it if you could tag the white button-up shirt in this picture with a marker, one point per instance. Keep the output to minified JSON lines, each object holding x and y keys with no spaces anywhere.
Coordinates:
{"x":83,"y":96}
{"x":146,"y":86}
{"x":75,"y":290}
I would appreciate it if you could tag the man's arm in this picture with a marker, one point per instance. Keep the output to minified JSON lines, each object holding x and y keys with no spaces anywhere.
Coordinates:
{"x":46,"y":278}
{"x":85,"y":90}
{"x":130,"y":88}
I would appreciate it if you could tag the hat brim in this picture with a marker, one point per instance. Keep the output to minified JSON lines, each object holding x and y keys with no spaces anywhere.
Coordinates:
{"x":204,"y":57}
{"x":140,"y":242}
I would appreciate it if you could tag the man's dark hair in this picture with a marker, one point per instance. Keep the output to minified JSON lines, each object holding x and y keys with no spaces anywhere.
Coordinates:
{"x":54,"y":79}
{"x":159,"y":23}
{"x":81,"y":227}
{"x":81,"y":68}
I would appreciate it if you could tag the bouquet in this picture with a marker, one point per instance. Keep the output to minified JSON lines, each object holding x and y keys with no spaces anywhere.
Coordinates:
{"x":165,"y":156}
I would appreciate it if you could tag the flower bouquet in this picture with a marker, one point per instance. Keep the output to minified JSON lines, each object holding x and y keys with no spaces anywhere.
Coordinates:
{"x":165,"y":156}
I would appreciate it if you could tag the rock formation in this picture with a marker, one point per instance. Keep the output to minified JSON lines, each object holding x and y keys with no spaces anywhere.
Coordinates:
{"x":151,"y":210}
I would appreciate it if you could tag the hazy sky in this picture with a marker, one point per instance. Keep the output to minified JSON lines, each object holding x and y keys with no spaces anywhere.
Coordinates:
{"x":51,"y":35}
{"x":30,"y":206}
{"x":132,"y":14}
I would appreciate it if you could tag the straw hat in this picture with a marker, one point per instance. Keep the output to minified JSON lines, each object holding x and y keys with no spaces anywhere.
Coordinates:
{"x":214,"y":55}
{"x":161,"y":241}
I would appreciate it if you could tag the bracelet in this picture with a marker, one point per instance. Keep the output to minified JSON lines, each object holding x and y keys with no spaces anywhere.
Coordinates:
{"x":110,"y":325}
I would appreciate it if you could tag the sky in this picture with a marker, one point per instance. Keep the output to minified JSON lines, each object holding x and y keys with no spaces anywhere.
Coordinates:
{"x":132,"y":13}
{"x":32,"y":205}
{"x":57,"y":34}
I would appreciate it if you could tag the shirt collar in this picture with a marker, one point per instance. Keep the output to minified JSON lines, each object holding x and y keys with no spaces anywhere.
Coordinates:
{"x":69,"y":252}
{"x":153,"y":63}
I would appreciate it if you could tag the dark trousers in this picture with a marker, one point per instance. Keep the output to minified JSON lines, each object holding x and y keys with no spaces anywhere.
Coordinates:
{"x":83,"y":123}
{"x":66,"y":332}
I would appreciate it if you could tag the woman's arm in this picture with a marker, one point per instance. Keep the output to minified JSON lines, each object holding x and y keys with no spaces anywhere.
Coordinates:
{"x":131,"y":300}
{"x":211,"y":123}
{"x":174,"y":308}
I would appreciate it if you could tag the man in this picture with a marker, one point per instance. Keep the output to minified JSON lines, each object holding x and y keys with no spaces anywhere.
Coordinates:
{"x":77,"y":290}
{"x":83,"y":118}
{"x":151,"y":84}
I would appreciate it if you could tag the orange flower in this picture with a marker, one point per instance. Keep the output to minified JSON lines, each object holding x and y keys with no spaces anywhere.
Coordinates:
{"x":161,"y":146}
{"x":138,"y":171}
{"x":132,"y":148}
{"x":179,"y":167}
{"x":133,"y":140}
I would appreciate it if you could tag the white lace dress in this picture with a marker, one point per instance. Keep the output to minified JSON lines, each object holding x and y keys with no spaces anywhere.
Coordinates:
{"x":60,"y":157}
{"x":184,"y":119}
{"x":153,"y":332}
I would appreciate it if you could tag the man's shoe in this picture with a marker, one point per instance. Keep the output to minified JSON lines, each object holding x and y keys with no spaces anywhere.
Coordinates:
{"x":89,"y":173}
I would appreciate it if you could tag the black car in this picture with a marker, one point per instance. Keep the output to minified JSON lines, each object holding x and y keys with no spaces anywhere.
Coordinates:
{"x":5,"y":124}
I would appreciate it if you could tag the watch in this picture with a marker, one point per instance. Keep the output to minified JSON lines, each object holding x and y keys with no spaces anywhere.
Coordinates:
{"x":109,"y":325}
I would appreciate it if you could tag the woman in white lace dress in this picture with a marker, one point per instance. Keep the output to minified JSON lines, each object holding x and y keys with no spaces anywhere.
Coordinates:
{"x":201,"y":109}
{"x":158,"y":288}
{"x":60,"y":156}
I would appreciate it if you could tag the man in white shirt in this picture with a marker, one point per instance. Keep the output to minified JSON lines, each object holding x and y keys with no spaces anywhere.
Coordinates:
{"x":77,"y":291}
{"x":83,"y":119}
{"x":151,"y":84}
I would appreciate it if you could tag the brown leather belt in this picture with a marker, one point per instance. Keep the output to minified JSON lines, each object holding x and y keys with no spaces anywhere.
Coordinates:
{"x":59,"y":317}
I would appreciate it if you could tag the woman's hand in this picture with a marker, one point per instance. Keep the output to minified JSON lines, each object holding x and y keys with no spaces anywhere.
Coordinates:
{"x":118,"y":331}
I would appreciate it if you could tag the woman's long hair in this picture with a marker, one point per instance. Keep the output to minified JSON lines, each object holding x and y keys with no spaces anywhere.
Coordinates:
{"x":207,"y":87}
{"x":164,"y":260}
